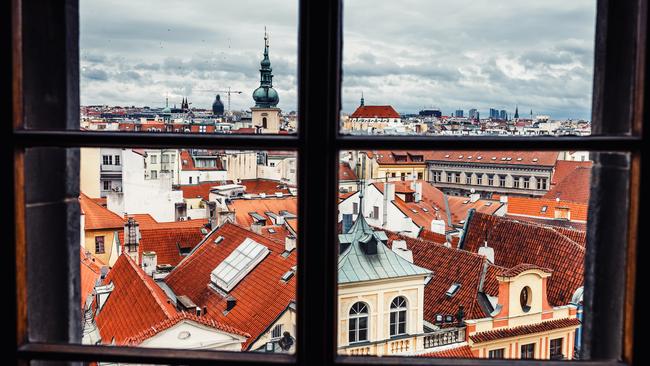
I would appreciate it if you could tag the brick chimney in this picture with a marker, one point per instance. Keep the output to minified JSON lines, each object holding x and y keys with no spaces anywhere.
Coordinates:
{"x":132,"y":239}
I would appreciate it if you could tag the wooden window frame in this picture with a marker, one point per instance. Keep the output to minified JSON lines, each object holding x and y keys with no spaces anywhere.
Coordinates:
{"x":41,"y":73}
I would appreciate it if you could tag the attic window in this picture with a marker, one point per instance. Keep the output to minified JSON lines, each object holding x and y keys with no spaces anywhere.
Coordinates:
{"x":218,"y":240}
{"x":271,"y":230}
{"x":425,"y":209}
{"x":259,"y":219}
{"x":465,"y":202}
{"x":479,"y":157}
{"x":414,"y":210}
{"x":535,"y":160}
{"x":544,"y":208}
{"x":287,"y":276}
{"x":519,"y":159}
{"x":494,"y":158}
{"x":238,"y":264}
{"x":488,"y":204}
{"x":452,"y":290}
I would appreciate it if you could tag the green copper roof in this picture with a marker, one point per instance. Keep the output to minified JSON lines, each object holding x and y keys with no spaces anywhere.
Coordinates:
{"x":355,"y":265}
{"x":265,"y":96}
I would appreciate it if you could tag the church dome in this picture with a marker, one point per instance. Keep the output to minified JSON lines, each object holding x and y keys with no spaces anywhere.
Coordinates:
{"x":217,"y":106}
{"x":265,"y":97}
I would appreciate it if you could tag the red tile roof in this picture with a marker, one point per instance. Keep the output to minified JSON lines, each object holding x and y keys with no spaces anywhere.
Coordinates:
{"x":201,"y":190}
{"x":242,"y":207}
{"x":135,"y":304}
{"x":138,"y":308}
{"x":98,"y":217}
{"x":261,"y":295}
{"x":90,"y":271}
{"x":565,"y":167}
{"x":545,"y":208}
{"x":516,"y":242}
{"x":345,"y":172}
{"x":449,"y":266}
{"x":392,"y":157}
{"x":433,"y":201}
{"x":457,"y":352}
{"x":375,"y":111}
{"x":544,"y":158}
{"x":187,"y":161}
{"x":575,"y":187}
{"x":523,"y":330}
{"x":267,"y":186}
{"x":167,"y":242}
{"x":437,"y":238}
{"x":520,"y":268}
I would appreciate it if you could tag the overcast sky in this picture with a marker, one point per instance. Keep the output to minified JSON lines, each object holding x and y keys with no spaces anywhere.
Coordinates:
{"x":458,"y":54}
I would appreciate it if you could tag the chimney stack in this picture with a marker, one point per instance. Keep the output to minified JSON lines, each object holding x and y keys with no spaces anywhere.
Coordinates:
{"x":474,"y":197}
{"x":418,"y":191}
{"x":149,"y":262}
{"x":389,"y":196}
{"x":438,"y":226}
{"x":289,"y":243}
{"x":399,"y":248}
{"x":487,"y":252}
{"x":132,"y":239}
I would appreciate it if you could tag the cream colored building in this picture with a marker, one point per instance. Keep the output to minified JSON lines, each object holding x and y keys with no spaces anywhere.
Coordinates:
{"x":89,"y":179}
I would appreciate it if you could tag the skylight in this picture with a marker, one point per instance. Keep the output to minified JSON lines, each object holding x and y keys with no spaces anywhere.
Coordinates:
{"x":453,"y":289}
{"x":238,"y":264}
{"x":544,"y":208}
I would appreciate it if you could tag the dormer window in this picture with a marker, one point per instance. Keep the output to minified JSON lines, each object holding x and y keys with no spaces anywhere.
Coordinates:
{"x":452,"y":290}
{"x":525,"y":299}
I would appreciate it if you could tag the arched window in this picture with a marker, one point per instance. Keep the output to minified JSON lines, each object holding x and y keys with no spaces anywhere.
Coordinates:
{"x":264,"y":122}
{"x":398,"y":316}
{"x":358,"y":323}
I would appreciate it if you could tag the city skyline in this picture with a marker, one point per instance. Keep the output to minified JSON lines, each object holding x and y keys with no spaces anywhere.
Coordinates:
{"x":173,"y":56}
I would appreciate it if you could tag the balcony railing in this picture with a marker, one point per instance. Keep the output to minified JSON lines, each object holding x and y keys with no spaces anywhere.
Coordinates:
{"x":408,"y":345}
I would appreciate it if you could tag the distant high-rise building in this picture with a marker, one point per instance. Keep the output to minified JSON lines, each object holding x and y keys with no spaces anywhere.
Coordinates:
{"x":473,"y":113}
{"x":430,"y":113}
{"x":458,"y":113}
{"x":503,"y":114}
{"x":494,"y":114}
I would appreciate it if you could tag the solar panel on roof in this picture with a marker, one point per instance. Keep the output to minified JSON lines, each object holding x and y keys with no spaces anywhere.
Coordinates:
{"x":238,"y":264}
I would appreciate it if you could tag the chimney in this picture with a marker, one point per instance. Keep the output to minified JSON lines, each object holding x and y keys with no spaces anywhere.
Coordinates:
{"x":399,"y":247}
{"x":474,"y":197}
{"x":347,"y":223}
{"x":225,"y":216}
{"x":256,"y":227}
{"x":438,"y":226}
{"x":289,"y":243}
{"x":211,"y":213}
{"x":230,"y":303}
{"x":149,"y":262}
{"x":418,"y":191}
{"x":132,"y":239}
{"x":389,"y":196}
{"x":102,"y":292}
{"x":487,"y":252}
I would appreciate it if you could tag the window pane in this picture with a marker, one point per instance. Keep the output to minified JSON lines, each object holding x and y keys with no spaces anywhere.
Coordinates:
{"x":502,"y":67}
{"x":200,"y":67}
{"x":459,"y":251}
{"x":169,"y":263}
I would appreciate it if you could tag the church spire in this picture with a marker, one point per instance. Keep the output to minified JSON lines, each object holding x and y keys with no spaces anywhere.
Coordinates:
{"x":362,"y":100}
{"x":265,"y":96}
{"x":516,"y":112}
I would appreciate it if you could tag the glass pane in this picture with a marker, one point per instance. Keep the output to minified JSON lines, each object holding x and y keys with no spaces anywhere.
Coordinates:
{"x":502,"y":67}
{"x":200,"y":67}
{"x":462,"y":253}
{"x":165,"y":275}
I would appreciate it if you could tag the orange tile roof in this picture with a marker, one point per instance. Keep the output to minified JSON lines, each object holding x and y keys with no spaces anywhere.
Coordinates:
{"x":434,"y":202}
{"x":267,"y":186}
{"x":345,"y":172}
{"x":147,"y":221}
{"x":437,"y":238}
{"x":545,"y":208}
{"x":523,"y":330}
{"x":261,"y":295}
{"x":574,"y":187}
{"x":375,"y":111}
{"x":90,"y":271}
{"x":449,"y":266}
{"x":134,"y":305}
{"x":98,"y":217}
{"x":520,"y":268}
{"x":187,"y":161}
{"x":392,"y":157}
{"x":458,"y":352}
{"x":138,"y":308}
{"x":242,"y":207}
{"x":201,"y":190}
{"x":167,"y":242}
{"x":565,"y":167}
{"x":516,"y":242}
{"x":544,"y":158}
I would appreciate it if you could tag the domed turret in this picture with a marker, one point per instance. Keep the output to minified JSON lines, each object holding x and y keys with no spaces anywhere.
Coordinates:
{"x":265,"y":96}
{"x":217,"y":106}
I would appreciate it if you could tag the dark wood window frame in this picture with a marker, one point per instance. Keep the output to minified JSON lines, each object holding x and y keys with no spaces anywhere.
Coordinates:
{"x":41,"y":73}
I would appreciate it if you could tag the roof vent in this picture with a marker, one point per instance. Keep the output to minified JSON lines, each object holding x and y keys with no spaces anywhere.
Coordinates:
{"x":535,"y":160}
{"x":218,"y":240}
{"x":287,"y":276}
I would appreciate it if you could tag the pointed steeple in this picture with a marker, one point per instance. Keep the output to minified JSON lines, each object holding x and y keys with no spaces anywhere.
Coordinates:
{"x":265,"y":96}
{"x":516,"y":112}
{"x":362,"y":100}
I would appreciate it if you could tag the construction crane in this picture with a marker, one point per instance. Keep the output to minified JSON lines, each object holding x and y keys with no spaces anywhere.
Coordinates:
{"x":227,"y":92}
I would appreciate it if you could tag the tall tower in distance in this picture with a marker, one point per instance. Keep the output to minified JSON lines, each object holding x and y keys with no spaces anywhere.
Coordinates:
{"x":266,"y":116}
